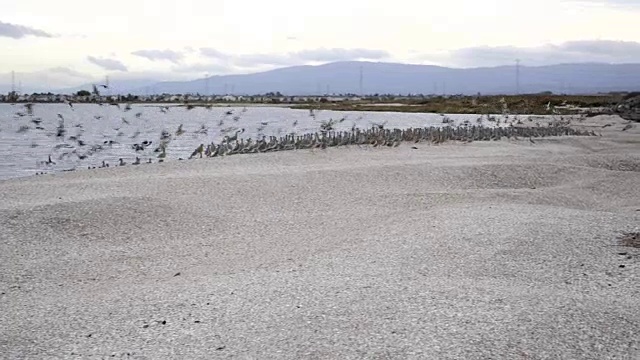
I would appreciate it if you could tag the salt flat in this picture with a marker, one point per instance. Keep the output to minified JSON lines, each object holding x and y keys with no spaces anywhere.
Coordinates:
{"x":501,"y":249}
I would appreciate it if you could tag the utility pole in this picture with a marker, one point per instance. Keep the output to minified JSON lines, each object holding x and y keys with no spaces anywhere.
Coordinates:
{"x":517,"y":76}
{"x":206,"y":84}
{"x":13,"y":82}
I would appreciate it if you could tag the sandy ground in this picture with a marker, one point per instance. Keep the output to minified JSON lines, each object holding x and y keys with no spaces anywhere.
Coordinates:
{"x":463,"y":251}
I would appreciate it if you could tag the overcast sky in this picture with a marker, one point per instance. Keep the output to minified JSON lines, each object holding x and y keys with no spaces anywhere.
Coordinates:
{"x":66,"y":42}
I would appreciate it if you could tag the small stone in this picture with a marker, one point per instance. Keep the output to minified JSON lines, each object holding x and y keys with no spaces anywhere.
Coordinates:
{"x":220,"y":347}
{"x":197,"y":321}
{"x":622,"y":266}
{"x":164,"y":322}
{"x":176,"y":274}
{"x":622,"y":253}
{"x":145,"y":326}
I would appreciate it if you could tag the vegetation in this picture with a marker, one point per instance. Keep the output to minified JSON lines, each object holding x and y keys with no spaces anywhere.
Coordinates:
{"x":513,"y":104}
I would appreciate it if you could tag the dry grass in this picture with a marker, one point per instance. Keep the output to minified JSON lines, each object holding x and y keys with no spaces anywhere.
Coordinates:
{"x":514,"y":104}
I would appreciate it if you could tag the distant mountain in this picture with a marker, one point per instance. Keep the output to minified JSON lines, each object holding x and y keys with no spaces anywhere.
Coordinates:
{"x":377,"y":77}
{"x":344,"y":77}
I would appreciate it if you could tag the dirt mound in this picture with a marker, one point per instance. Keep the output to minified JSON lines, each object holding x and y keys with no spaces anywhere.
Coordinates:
{"x":629,"y":108}
{"x":630,"y":239}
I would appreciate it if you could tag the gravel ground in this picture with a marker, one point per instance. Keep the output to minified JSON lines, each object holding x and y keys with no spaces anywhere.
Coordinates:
{"x":459,"y":251}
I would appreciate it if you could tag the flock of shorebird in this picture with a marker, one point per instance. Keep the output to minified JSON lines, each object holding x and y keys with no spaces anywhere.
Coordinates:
{"x":325,"y":136}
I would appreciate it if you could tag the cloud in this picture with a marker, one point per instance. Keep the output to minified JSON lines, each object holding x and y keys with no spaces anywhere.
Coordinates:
{"x":160,"y":55}
{"x":602,"y":51}
{"x":107,"y":64}
{"x":19,"y":31}
{"x":213,"y":53}
{"x":617,"y":3}
{"x":294,"y":58}
{"x":337,"y":54}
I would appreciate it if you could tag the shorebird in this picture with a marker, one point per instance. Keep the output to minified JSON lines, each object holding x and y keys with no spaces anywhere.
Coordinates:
{"x":198,"y":150}
{"x":49,"y":161}
{"x":29,"y":107}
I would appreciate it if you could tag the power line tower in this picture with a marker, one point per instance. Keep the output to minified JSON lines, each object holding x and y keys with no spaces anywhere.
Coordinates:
{"x":517,"y":76}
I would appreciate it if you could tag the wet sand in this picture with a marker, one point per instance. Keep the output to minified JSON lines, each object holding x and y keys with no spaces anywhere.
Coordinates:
{"x":501,"y":249}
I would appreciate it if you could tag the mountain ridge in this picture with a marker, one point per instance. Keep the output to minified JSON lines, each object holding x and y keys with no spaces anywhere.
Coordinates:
{"x":402,"y":78}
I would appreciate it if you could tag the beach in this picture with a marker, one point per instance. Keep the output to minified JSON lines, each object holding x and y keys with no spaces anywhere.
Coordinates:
{"x":501,"y":249}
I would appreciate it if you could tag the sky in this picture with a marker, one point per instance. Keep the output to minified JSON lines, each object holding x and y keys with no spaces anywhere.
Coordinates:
{"x":65,"y":43}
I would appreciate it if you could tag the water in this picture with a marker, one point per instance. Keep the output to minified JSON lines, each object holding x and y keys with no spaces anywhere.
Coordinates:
{"x":23,"y":148}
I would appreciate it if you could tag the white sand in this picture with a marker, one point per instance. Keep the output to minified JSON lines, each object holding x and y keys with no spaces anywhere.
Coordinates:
{"x":503,"y":250}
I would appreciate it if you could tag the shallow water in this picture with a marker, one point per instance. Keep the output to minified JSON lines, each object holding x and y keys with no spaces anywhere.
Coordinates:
{"x":23,"y":148}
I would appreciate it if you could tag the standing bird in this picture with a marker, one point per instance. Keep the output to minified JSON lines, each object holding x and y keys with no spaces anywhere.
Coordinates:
{"x":198,"y":150}
{"x":29,"y":107}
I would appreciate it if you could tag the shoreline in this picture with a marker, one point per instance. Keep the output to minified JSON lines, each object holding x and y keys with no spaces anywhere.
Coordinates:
{"x":499,"y":249}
